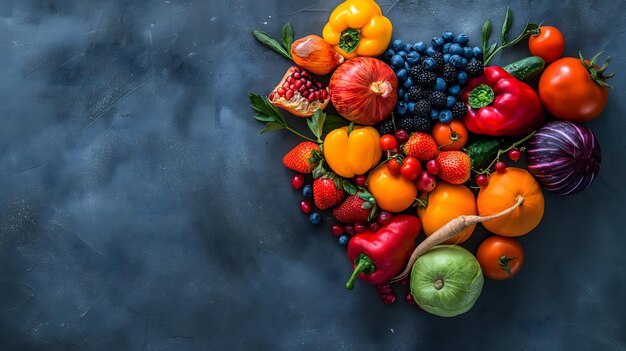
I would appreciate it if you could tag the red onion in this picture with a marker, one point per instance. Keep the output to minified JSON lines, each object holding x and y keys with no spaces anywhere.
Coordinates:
{"x":564,"y":157}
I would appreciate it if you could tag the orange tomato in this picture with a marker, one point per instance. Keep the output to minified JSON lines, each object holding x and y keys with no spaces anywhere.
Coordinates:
{"x":445,"y":203}
{"x":500,"y":257}
{"x":450,"y":136}
{"x":501,"y":193}
{"x":549,"y":44}
{"x":393,"y":193}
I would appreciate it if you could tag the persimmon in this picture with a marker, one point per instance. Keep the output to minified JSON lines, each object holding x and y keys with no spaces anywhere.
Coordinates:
{"x":393,"y":193}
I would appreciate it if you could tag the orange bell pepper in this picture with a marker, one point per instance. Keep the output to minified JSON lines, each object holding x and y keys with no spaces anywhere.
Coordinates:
{"x":352,"y":152}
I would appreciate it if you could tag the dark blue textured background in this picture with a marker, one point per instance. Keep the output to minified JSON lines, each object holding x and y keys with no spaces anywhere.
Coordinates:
{"x":139,"y":210}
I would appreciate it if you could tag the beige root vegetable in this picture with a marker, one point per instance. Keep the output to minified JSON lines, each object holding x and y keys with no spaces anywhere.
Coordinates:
{"x":449,"y":230}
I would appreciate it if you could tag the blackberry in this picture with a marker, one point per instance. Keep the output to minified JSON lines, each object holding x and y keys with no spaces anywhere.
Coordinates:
{"x":438,"y":99}
{"x":426,"y":79}
{"x":385,"y":127}
{"x":449,"y":73}
{"x":414,"y":93}
{"x":416,"y":70}
{"x":407,"y":124}
{"x":422,"y":124}
{"x":459,"y":109}
{"x":474,"y":68}
{"x":422,"y":108}
{"x":439,"y":62}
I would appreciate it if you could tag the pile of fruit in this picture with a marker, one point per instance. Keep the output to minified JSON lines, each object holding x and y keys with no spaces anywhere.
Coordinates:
{"x":426,"y":139}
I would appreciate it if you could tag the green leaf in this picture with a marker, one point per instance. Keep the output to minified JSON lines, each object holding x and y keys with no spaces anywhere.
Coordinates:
{"x":485,"y":36}
{"x":263,"y":118}
{"x":270,"y":126}
{"x":373,"y":212}
{"x":333,"y":122}
{"x":319,"y":171}
{"x":349,"y":187}
{"x":506,"y":25}
{"x":528,"y":30}
{"x":366,"y":205}
{"x":316,"y":124}
{"x":271,"y":43}
{"x":490,"y":50}
{"x":287,"y":37}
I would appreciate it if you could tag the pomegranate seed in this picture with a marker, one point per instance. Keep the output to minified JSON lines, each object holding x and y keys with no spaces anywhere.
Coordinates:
{"x":272,"y":95}
{"x":374,"y":226}
{"x":290,"y":79}
{"x":384,"y":288}
{"x":500,"y":166}
{"x":432,"y":167}
{"x":296,"y":75}
{"x":482,"y":180}
{"x":305,"y":206}
{"x":286,"y":85}
{"x":336,"y":229}
{"x":319,"y":85}
{"x":388,"y":299}
{"x":289,"y":94}
{"x":311,"y":97}
{"x":318,"y":95}
{"x":515,"y":154}
{"x":297,"y":181}
{"x":360,"y":180}
{"x":291,"y":87}
{"x":349,"y":230}
{"x":305,"y":74}
{"x":309,"y":84}
{"x":306,"y":94}
{"x":359,"y":227}
{"x":297,"y":84}
{"x":302,"y":89}
{"x":324,"y":94}
{"x":409,"y":299}
{"x":384,"y":217}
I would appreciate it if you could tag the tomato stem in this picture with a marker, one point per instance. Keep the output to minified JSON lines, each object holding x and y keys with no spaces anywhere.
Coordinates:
{"x":503,"y":262}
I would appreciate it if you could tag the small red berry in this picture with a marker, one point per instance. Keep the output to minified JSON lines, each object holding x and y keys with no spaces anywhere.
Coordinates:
{"x":384,"y":217}
{"x":500,"y":166}
{"x":384,"y":289}
{"x":388,"y":142}
{"x":336,"y":229}
{"x":374,"y":226}
{"x":349,"y":230}
{"x":409,"y":299}
{"x":360,"y":227}
{"x":305,"y":205}
{"x":297,"y":181}
{"x":402,"y":136}
{"x":394,"y":166}
{"x":482,"y":180}
{"x":515,"y":154}
{"x":432,"y":167}
{"x":388,"y":299}
{"x":360,"y":180}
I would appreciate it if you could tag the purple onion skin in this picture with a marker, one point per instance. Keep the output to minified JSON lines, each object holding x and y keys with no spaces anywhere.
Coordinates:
{"x":564,"y":157}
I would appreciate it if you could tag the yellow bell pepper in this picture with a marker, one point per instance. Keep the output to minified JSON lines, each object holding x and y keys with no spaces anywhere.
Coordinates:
{"x":358,"y":28}
{"x":354,"y":153}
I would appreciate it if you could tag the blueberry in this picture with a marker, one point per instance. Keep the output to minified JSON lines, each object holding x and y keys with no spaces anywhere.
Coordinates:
{"x":405,"y":97}
{"x":344,"y":239}
{"x":411,"y":107}
{"x":430,"y":63}
{"x":461,"y":39}
{"x":478,"y":52}
{"x":397,"y":45}
{"x":402,"y":54}
{"x":419,"y":47}
{"x":468,"y":53}
{"x":434,"y":114}
{"x":446,"y":58}
{"x":401,"y":74}
{"x":456,"y":60}
{"x":388,"y":54}
{"x":412,"y":57}
{"x":450,"y":100}
{"x":446,"y":48}
{"x":437,"y":42}
{"x":445,"y":116}
{"x":397,"y":61}
{"x":408,"y":83}
{"x":440,"y":85}
{"x":401,"y":108}
{"x":461,"y":78}
{"x":315,"y":218}
{"x":447,"y":36}
{"x":463,"y":62}
{"x":407,"y":47}
{"x":454,"y":90}
{"x":307,"y":191}
{"x":407,"y":66}
{"x":456,"y":49}
{"x":431,"y":51}
{"x":400,"y":93}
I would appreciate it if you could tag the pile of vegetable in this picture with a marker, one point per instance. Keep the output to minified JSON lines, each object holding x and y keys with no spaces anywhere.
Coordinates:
{"x":410,"y":138}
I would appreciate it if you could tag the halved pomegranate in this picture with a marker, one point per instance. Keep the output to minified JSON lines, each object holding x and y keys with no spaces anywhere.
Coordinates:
{"x":299,"y":93}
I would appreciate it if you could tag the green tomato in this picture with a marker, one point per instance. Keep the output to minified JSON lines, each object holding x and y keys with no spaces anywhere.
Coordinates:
{"x":446,"y":281}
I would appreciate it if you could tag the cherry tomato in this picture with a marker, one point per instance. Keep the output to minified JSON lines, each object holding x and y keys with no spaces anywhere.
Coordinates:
{"x":549,"y":44}
{"x":568,"y":91}
{"x":411,"y":168}
{"x":500,"y":257}
{"x":451,"y":136}
{"x":388,"y":142}
{"x":393,"y":166}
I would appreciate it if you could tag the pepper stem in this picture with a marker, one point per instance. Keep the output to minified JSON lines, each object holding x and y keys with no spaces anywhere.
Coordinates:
{"x":481,"y":96}
{"x":363,"y":264}
{"x":349,"y":39}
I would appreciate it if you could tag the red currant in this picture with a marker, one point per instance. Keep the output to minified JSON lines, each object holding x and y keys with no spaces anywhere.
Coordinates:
{"x":432,"y":167}
{"x":388,"y":299}
{"x":499,"y":166}
{"x":394,"y":166}
{"x":384,"y":289}
{"x":360,"y":180}
{"x":515,"y":154}
{"x":402,"y":136}
{"x":384,"y":217}
{"x":305,"y":206}
{"x":349,"y":230}
{"x":359,"y":227}
{"x":409,"y":299}
{"x":482,"y":180}
{"x":336,"y":229}
{"x":297,"y":181}
{"x":388,"y":142}
{"x":374,"y":226}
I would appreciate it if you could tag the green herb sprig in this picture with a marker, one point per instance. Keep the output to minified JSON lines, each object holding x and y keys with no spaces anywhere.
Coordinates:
{"x":283,"y":47}
{"x":489,"y":51}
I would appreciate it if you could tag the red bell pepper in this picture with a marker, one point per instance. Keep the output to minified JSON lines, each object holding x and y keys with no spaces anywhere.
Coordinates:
{"x":379,"y":256}
{"x":499,"y":104}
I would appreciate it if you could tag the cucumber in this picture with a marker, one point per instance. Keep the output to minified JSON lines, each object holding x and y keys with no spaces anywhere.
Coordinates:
{"x":482,"y":152}
{"x":526,"y":68}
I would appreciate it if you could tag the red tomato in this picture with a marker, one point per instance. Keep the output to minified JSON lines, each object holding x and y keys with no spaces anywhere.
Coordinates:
{"x":568,"y":91}
{"x":500,"y":257}
{"x":411,"y":168}
{"x":549,"y":44}
{"x":450,"y":136}
{"x":393,"y":166}
{"x":388,"y":142}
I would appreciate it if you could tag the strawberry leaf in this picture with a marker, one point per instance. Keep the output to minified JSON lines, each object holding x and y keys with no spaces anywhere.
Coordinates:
{"x":367,"y":205}
{"x":337,"y":182}
{"x":318,"y":171}
{"x":373,"y":212}
{"x":349,"y":187}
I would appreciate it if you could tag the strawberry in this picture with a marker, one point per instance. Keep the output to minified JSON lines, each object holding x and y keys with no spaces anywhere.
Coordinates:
{"x":327,"y":192}
{"x":357,"y":208}
{"x":422,"y":146}
{"x":298,"y":158}
{"x":454,"y":166}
